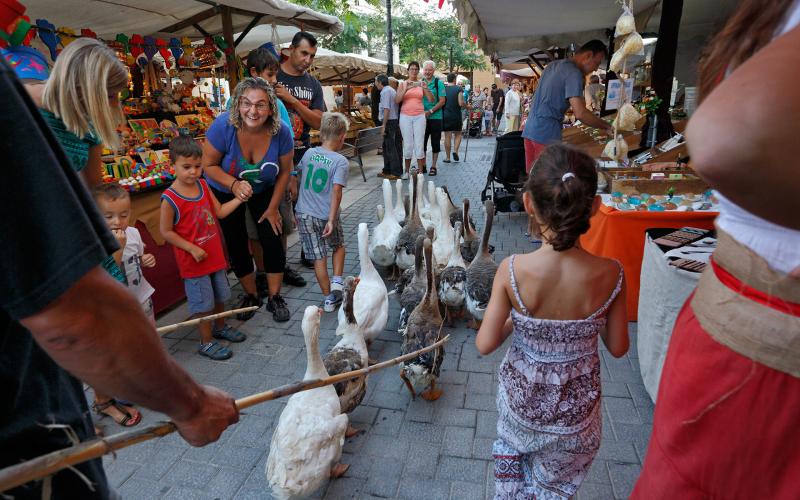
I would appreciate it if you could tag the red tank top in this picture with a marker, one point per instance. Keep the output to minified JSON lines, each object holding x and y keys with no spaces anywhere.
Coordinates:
{"x":196,"y":222}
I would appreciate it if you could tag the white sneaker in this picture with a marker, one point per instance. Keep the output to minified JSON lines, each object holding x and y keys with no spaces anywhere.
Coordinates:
{"x":404,"y":176}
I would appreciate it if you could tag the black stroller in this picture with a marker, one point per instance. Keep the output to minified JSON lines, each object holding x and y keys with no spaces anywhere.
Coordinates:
{"x":507,"y":175}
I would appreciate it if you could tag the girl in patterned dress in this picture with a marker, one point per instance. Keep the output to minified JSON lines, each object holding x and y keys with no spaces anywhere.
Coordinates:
{"x":560,"y":299}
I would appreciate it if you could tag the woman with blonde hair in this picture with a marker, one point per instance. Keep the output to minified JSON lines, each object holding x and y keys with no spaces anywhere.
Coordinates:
{"x":249,"y":155}
{"x":81,"y":105}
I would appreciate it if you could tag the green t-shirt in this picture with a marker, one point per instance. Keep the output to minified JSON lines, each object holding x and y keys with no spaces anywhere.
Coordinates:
{"x":77,"y":150}
{"x":432,"y":86}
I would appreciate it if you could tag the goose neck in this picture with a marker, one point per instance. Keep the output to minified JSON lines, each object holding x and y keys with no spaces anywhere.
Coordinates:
{"x":315,"y":368}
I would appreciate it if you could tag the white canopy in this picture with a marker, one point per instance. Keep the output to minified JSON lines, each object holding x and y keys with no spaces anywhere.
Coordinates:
{"x":176,"y":17}
{"x":508,"y":28}
{"x":334,"y":68}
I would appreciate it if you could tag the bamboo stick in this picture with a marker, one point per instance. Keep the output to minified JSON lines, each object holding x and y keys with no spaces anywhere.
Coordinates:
{"x":196,"y":321}
{"x":45,"y":465}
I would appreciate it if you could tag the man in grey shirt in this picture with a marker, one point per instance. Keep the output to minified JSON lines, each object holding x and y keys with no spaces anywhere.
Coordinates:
{"x":389,"y":116}
{"x":560,"y":87}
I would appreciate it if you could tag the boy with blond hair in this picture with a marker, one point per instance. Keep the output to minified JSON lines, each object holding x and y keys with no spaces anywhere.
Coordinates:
{"x":323,"y":176}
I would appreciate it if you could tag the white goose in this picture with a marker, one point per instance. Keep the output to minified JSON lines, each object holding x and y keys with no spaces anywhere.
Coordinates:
{"x":371,"y":299}
{"x":307,"y":443}
{"x":423,"y":208}
{"x":433,"y":203}
{"x":384,"y":236}
{"x":443,"y":242}
{"x":399,"y":207}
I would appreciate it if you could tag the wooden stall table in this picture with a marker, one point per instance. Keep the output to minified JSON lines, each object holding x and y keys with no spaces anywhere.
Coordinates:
{"x":165,"y":278}
{"x":621,"y":235}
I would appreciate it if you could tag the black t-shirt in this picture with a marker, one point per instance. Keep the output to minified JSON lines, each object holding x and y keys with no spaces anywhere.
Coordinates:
{"x":52,"y":236}
{"x":308,"y":91}
{"x":497,"y":95}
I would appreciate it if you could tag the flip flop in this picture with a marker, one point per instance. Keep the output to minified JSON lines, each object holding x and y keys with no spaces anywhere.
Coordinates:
{"x":445,"y":161}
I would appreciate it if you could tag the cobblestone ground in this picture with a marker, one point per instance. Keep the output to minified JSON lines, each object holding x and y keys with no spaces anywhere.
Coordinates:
{"x":410,"y":449}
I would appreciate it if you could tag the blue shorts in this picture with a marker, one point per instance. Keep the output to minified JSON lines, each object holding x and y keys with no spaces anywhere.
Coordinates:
{"x":205,"y":291}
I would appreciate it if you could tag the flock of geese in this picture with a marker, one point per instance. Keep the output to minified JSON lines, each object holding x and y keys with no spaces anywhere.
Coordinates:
{"x":442,"y":270}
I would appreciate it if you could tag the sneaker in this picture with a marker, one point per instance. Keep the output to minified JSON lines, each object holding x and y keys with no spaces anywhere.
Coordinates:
{"x":293,"y":278}
{"x":277,"y":306}
{"x":247,"y":301}
{"x":404,"y":176}
{"x":229,"y":334}
{"x":455,"y":157}
{"x":332,"y":300}
{"x":215,"y":351}
{"x":262,"y":286}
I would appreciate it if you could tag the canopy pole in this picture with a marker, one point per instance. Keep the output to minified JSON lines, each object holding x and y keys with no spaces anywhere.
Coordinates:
{"x":664,"y":65}
{"x":227,"y":34}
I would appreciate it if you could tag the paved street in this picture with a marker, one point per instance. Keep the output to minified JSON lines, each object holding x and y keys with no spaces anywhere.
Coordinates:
{"x":410,"y":449}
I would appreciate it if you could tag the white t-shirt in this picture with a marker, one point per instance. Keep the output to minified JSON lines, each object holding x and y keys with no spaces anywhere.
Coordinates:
{"x":512,"y":103}
{"x":132,"y":265}
{"x":778,"y":245}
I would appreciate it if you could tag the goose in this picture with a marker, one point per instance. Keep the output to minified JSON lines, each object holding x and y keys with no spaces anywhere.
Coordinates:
{"x":433,"y":204}
{"x":370,"y":299}
{"x":384,"y":236}
{"x":349,"y":354}
{"x":453,"y":211}
{"x":470,"y":244}
{"x":424,"y":326}
{"x":307,"y":443}
{"x":413,"y":285}
{"x":443,"y":244}
{"x":404,"y":250}
{"x":480,"y":273}
{"x":423,"y":209}
{"x":380,"y":213}
{"x":454,"y":277}
{"x":399,"y":209}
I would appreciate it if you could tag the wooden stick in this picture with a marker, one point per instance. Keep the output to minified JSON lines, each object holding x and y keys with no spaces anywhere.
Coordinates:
{"x":45,"y":465}
{"x":196,"y":321}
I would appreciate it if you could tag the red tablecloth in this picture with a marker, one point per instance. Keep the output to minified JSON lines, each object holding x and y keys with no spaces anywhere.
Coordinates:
{"x":620,"y":235}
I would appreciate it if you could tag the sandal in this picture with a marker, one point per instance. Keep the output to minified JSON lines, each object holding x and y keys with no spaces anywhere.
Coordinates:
{"x":215,"y":351}
{"x":229,"y":334}
{"x":446,"y":160}
{"x":432,"y":173}
{"x":129,"y":418}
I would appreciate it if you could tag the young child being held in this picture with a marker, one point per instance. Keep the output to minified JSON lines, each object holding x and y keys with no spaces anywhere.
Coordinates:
{"x":561,"y":299}
{"x":115,"y":205}
{"x":189,"y":213}
{"x":324,"y":175}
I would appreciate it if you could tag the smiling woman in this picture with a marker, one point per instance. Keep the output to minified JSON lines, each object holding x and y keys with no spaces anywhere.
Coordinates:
{"x":243,"y":147}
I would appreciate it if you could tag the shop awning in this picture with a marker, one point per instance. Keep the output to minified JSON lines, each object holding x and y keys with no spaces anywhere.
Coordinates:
{"x":508,"y":29}
{"x":192,"y":18}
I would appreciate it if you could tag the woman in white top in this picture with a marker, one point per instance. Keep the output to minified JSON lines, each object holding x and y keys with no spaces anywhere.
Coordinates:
{"x":726,"y":422}
{"x":512,"y":107}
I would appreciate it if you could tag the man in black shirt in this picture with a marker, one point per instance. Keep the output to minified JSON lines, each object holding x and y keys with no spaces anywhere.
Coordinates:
{"x":302,"y":95}
{"x":62,"y":316}
{"x":498,"y":98}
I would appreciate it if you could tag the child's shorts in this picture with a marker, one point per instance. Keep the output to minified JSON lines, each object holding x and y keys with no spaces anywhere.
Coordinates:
{"x":205,"y":291}
{"x":149,"y":311}
{"x":314,"y":245}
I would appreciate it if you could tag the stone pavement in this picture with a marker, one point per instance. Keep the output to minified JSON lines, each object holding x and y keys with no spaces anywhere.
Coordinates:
{"x":410,"y":449}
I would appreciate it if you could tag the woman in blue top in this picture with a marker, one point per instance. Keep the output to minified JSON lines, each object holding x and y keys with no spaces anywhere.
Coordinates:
{"x":248,"y":154}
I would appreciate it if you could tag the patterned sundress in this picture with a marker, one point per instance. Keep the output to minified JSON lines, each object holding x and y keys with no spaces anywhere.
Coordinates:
{"x":549,"y":425}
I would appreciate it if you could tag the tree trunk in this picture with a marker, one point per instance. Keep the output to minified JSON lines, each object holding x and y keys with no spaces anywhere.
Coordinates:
{"x":389,"y":48}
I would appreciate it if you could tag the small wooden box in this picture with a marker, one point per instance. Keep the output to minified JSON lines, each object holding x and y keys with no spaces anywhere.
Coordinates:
{"x":642,"y":183}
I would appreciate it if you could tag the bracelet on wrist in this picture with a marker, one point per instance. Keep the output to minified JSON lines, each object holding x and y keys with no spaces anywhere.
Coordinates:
{"x":233,"y":184}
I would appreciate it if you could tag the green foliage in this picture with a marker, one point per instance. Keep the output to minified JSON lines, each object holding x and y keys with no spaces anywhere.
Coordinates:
{"x":419,"y":35}
{"x":422,"y":37}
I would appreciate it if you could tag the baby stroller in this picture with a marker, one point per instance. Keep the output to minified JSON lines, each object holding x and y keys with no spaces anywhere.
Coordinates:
{"x":474,"y":122}
{"x":507,"y":175}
